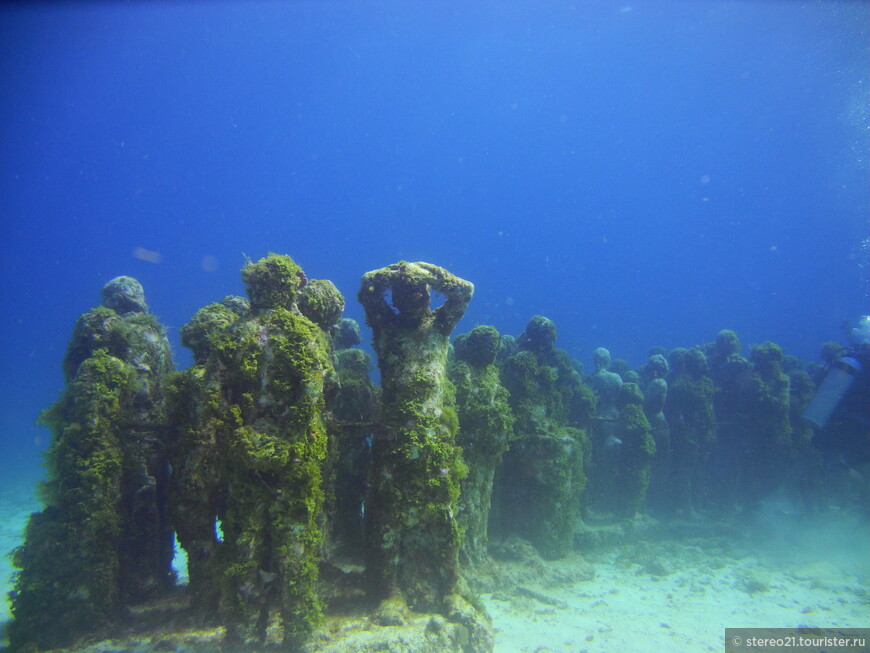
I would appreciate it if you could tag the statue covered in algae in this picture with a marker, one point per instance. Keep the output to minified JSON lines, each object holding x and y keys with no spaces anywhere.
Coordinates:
{"x":485,"y":428}
{"x":250,"y":452}
{"x":414,"y":535}
{"x":541,"y":482}
{"x":103,"y":541}
{"x":247,"y":458}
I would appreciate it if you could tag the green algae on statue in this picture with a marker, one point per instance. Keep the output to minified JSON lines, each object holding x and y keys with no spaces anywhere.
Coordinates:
{"x":203,"y":414}
{"x":321,"y":302}
{"x":414,"y":536}
{"x":690,"y":414}
{"x":103,"y":540}
{"x":543,"y":476}
{"x":356,"y":409}
{"x":635,"y":453}
{"x":250,"y":454}
{"x":413,"y":532}
{"x":485,"y":427}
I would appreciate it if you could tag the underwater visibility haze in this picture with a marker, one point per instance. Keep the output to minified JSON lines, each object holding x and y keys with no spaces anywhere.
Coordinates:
{"x":660,"y":206}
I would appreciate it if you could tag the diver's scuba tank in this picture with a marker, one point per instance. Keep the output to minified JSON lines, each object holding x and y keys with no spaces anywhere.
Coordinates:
{"x":837,"y":381}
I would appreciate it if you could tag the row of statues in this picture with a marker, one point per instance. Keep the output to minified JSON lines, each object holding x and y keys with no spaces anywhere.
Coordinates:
{"x":274,"y":456}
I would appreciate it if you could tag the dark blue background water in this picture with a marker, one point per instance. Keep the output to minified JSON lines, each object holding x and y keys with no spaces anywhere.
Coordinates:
{"x":642,"y":174}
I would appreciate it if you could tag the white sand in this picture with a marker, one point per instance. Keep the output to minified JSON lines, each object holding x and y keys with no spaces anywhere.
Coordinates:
{"x":679,"y":596}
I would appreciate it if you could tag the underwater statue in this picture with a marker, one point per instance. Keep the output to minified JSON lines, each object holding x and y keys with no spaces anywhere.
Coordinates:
{"x":655,"y":396}
{"x":766,"y":451}
{"x":689,"y":411}
{"x":635,"y":453}
{"x":485,"y":428}
{"x":413,"y":532}
{"x":104,"y":540}
{"x":412,"y":504}
{"x":201,"y":414}
{"x":732,"y":380}
{"x":320,"y":513}
{"x":356,"y":408}
{"x":542,"y":479}
{"x":250,"y":452}
{"x":604,"y":439}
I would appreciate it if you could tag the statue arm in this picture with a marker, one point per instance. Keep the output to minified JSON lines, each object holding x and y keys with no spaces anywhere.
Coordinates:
{"x":457,"y":293}
{"x":372,"y":295}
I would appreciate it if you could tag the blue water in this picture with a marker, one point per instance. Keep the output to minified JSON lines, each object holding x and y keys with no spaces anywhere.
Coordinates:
{"x":643,"y":174}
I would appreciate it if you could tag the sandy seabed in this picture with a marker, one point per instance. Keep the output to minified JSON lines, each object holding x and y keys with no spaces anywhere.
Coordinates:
{"x":677,"y":596}
{"x":672,"y":592}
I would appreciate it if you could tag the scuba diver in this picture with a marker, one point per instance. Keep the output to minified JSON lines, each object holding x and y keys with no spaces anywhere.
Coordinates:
{"x":840,"y":409}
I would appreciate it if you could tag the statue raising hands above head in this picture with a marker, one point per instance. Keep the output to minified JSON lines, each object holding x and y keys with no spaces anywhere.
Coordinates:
{"x":410,"y":286}
{"x":412,"y":503}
